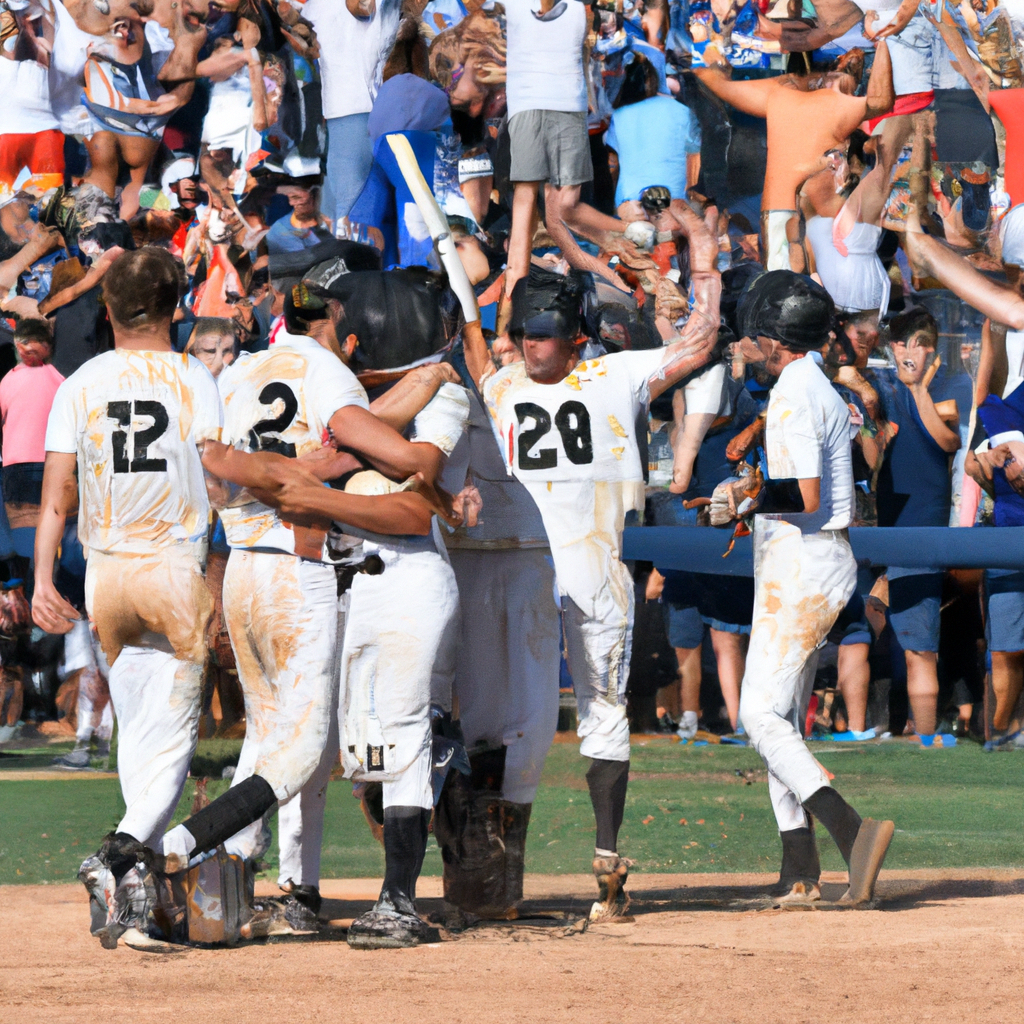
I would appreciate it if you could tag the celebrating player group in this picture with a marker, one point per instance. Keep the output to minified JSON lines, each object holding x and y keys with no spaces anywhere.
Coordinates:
{"x":401,"y":575}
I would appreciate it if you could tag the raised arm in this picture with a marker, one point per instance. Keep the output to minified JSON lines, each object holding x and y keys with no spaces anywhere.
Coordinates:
{"x":750,"y":97}
{"x":881,"y":96}
{"x":932,"y":258}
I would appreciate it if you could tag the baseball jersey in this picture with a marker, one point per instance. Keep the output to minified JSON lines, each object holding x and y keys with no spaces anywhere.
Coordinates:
{"x":573,"y":446}
{"x":134,"y":420}
{"x":808,"y":434}
{"x":280,"y":400}
{"x":580,"y":429}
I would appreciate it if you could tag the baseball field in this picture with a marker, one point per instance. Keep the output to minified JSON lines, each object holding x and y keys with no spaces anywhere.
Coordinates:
{"x":942,"y":939}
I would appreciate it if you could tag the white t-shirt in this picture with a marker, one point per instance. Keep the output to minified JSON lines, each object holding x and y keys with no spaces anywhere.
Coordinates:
{"x":545,"y":58}
{"x":67,"y":73}
{"x":26,"y":86}
{"x":353,"y":52}
{"x":134,"y":420}
{"x":807,"y":435}
{"x":280,"y":400}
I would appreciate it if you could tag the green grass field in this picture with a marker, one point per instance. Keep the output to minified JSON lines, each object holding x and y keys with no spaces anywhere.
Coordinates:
{"x":690,"y":809}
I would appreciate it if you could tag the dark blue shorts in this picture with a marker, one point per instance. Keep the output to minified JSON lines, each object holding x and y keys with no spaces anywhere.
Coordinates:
{"x":1004,"y":609}
{"x":914,"y":606}
{"x":683,"y":625}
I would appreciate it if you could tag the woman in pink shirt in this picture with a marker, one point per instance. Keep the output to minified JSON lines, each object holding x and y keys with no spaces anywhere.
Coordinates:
{"x":26,"y":394}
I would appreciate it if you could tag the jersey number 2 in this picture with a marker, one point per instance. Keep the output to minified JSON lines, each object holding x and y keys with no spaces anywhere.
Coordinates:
{"x":142,"y":439}
{"x":259,"y":436}
{"x":573,"y":424}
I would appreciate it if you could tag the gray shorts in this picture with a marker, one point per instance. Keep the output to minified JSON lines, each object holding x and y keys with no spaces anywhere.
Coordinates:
{"x":551,"y":146}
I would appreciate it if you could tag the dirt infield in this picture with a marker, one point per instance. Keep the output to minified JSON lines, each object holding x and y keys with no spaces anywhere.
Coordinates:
{"x":940,"y":944}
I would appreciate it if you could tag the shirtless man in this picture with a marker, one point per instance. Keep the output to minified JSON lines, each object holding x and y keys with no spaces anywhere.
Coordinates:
{"x":808,"y":118}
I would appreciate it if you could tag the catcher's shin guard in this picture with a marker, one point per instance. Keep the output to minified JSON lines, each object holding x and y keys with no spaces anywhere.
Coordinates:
{"x":483,"y":840}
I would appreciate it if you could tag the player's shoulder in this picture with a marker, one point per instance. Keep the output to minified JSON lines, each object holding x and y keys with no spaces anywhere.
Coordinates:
{"x":507,"y":380}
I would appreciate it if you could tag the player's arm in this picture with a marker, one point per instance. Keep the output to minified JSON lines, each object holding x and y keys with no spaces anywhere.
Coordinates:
{"x":60,"y":493}
{"x":399,"y":404}
{"x":359,"y":431}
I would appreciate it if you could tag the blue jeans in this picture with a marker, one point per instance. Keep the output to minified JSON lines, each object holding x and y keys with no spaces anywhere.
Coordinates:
{"x":349,"y":159}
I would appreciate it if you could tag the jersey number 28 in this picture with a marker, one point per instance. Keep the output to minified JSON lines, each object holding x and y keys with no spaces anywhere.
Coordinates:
{"x":141,"y":439}
{"x":572,"y":422}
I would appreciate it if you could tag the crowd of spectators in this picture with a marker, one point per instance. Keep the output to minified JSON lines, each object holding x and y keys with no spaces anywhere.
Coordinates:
{"x":241,"y":135}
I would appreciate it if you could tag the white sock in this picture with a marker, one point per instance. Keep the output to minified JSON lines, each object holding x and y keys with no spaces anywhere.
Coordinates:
{"x":178,"y":841}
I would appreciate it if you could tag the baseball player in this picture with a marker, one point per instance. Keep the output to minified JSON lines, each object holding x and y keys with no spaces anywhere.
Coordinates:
{"x":506,"y":672}
{"x":132,"y":422}
{"x":804,"y":574}
{"x":95,"y":714}
{"x":280,"y":595}
{"x":281,"y":605}
{"x":567,"y":431}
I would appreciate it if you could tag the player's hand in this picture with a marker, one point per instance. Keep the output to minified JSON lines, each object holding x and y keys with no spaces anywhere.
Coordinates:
{"x":467,"y":505}
{"x":440,"y":501}
{"x":50,"y":611}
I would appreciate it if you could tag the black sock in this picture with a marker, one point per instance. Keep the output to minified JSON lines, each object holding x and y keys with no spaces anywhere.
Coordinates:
{"x":607,"y":781}
{"x":405,"y":843}
{"x":799,"y":857}
{"x":841,"y":820}
{"x":241,"y":805}
{"x":122,"y":852}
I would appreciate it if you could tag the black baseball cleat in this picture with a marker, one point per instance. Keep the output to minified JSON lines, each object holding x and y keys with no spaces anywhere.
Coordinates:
{"x":392,"y":924}
{"x":869,"y":850}
{"x":612,"y":904}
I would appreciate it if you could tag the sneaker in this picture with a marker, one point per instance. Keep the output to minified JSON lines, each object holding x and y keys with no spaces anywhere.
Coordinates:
{"x":98,"y":880}
{"x":392,"y":924}
{"x":75,"y":760}
{"x":613,"y":902}
{"x":1002,"y":741}
{"x":853,"y":736}
{"x":937,"y":740}
{"x":687,"y":728}
{"x":869,"y":850}
{"x":665,"y":724}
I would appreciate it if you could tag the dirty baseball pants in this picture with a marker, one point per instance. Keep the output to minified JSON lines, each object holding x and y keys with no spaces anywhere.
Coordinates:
{"x":281,"y":612}
{"x":801,"y":584}
{"x":398,"y":623}
{"x":151,"y":613}
{"x":506,"y":675}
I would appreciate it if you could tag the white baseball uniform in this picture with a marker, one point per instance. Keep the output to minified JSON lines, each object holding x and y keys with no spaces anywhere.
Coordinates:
{"x":280,"y":599}
{"x":506,"y":661}
{"x":573,"y":446}
{"x":134,"y":420}
{"x":804,"y":573}
{"x":400,"y":624}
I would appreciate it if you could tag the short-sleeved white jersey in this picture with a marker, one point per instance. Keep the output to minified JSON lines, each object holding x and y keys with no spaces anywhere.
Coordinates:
{"x":583,"y":427}
{"x":280,"y":400}
{"x":134,"y":420}
{"x":574,"y":447}
{"x":807,"y":435}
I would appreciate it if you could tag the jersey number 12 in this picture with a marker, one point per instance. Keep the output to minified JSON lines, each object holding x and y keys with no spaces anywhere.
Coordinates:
{"x":141,"y":439}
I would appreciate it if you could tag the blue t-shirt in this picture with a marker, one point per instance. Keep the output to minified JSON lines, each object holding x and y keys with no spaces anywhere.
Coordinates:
{"x":653,"y":138}
{"x":284,"y":236}
{"x":914,"y":483}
